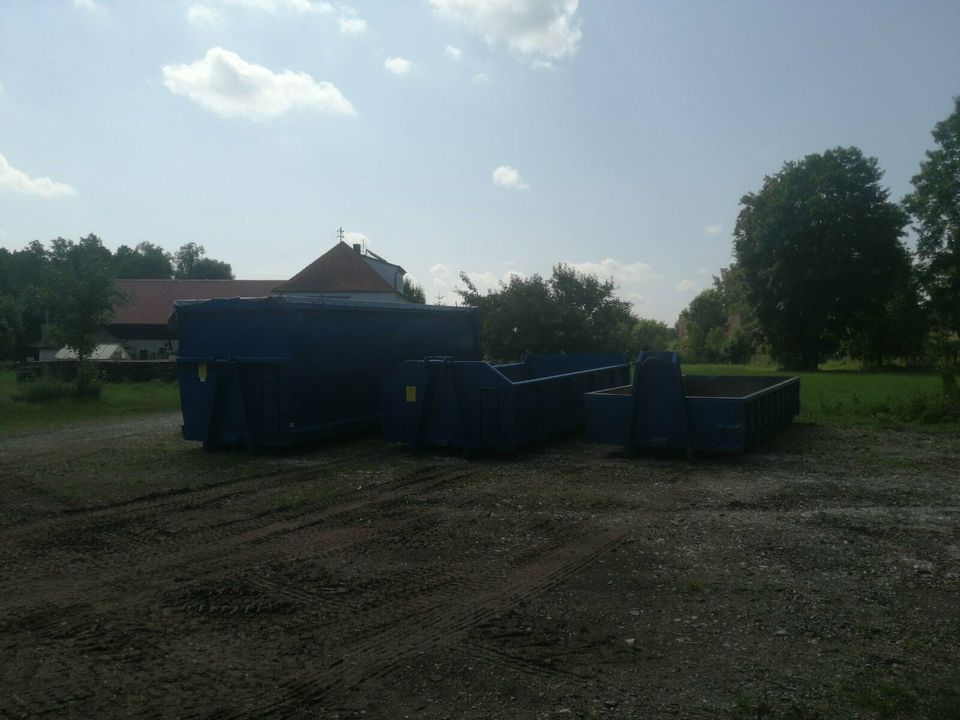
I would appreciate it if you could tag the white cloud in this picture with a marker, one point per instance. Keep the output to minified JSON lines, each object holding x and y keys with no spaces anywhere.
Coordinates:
{"x":292,"y":7}
{"x":453,"y":53}
{"x":483,"y":281}
{"x":439,"y":271}
{"x":204,"y":16}
{"x":89,"y":5}
{"x":350,"y":237}
{"x":638,"y":300}
{"x":508,"y":177}
{"x":228,"y":85}
{"x":686,"y":286}
{"x":13,"y":180}
{"x":481,"y":78}
{"x":442,"y":277}
{"x":397,"y":65}
{"x":620,"y":272}
{"x":545,"y":29}
{"x":713,"y":230}
{"x":352,"y":26}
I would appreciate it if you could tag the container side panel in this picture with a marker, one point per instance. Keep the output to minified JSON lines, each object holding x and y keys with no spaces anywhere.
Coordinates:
{"x":296,"y":371}
{"x":608,"y":417}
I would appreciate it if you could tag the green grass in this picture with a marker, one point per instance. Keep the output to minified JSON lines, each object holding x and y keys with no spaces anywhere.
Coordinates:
{"x":855,"y":397}
{"x":116,"y":401}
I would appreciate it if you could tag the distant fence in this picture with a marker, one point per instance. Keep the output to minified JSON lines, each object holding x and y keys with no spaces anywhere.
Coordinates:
{"x":109,"y":370}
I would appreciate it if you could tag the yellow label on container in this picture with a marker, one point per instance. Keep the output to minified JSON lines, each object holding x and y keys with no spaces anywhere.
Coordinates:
{"x":411,"y":393}
{"x":202,"y":372}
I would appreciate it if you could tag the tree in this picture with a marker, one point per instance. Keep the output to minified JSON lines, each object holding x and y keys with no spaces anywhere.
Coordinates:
{"x":11,"y":327}
{"x":818,"y":245}
{"x":569,"y":312}
{"x":145,"y":261}
{"x":897,"y":328}
{"x":22,"y":281}
{"x":651,"y":336}
{"x":702,"y":327}
{"x":934,"y":206}
{"x":190,"y":263}
{"x":413,"y":292}
{"x":80,"y":296}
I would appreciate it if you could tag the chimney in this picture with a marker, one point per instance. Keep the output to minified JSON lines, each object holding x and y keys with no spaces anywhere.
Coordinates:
{"x":357,"y":249}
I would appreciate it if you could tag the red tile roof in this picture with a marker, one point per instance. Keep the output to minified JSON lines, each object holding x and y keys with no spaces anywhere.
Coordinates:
{"x":151,"y":301}
{"x":340,"y":269}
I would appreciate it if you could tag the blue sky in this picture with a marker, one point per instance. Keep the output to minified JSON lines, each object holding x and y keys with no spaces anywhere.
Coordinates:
{"x":489,"y":136}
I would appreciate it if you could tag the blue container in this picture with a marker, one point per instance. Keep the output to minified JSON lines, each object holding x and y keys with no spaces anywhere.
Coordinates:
{"x":272,"y":372}
{"x":478,"y":406}
{"x":665,"y":409}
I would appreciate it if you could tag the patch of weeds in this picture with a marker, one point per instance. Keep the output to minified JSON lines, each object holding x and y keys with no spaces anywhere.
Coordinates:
{"x":944,"y":703}
{"x":884,"y":697}
{"x":927,"y":409}
{"x":43,"y":390}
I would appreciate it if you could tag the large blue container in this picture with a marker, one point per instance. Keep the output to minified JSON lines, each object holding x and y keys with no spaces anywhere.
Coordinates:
{"x":478,"y":406}
{"x":271,"y":372}
{"x":666,"y":409}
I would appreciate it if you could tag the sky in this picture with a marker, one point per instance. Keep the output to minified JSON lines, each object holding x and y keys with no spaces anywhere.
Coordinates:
{"x":485,"y":136}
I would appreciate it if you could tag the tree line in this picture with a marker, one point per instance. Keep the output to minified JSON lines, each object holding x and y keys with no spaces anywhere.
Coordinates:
{"x":822,"y":268}
{"x":71,"y":283}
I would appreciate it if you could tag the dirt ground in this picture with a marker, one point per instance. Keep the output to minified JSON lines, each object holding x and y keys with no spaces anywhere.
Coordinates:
{"x":144,"y":578}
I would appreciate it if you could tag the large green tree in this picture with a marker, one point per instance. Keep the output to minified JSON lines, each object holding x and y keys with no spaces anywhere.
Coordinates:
{"x":818,"y":245}
{"x":935,"y":207}
{"x":80,"y":296}
{"x":568,"y":312}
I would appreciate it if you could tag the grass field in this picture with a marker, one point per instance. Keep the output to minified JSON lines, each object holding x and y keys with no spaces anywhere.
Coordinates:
{"x":855,"y":397}
{"x":116,"y":401}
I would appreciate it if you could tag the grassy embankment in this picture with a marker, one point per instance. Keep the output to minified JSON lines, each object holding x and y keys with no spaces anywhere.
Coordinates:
{"x":117,"y":400}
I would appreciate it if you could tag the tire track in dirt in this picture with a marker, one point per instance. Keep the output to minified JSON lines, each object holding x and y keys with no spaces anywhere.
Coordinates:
{"x":215,"y":548}
{"x":433,"y":621}
{"x":73,"y":627}
{"x":130,"y":524}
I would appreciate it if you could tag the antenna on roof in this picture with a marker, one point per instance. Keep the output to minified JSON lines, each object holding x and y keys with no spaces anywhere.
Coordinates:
{"x":340,"y":234}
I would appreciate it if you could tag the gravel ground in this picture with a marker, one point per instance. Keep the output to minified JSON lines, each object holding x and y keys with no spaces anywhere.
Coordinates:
{"x":143,"y":577}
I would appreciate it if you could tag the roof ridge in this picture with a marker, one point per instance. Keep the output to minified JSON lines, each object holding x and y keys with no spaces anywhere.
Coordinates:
{"x":340,"y":269}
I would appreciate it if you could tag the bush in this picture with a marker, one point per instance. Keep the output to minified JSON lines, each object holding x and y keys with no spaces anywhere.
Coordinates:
{"x":46,"y":389}
{"x":927,"y":409}
{"x":42,"y":390}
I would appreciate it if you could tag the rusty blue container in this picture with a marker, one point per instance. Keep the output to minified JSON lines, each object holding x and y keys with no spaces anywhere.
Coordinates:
{"x":697,"y":413}
{"x":275,"y":371}
{"x":441,"y":401}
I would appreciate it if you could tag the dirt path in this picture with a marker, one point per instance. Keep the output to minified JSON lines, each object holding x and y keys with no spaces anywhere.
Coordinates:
{"x":144,"y":578}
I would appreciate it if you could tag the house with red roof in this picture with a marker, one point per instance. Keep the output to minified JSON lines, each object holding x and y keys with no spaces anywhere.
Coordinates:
{"x":140,"y":327}
{"x":349,"y":273}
